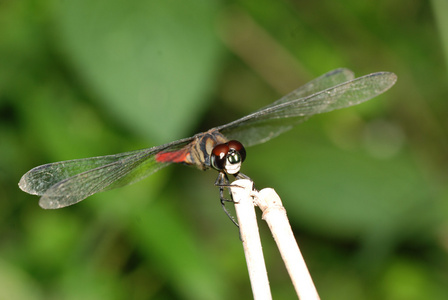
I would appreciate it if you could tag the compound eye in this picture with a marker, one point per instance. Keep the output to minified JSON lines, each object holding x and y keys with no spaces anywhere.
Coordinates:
{"x":218,"y":156}
{"x":237,"y":146}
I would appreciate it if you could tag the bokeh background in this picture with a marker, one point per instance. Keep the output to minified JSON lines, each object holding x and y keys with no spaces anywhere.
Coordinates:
{"x":364,"y":187}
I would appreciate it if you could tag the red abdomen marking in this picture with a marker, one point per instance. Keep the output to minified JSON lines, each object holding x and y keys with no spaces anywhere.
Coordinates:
{"x":174,"y":156}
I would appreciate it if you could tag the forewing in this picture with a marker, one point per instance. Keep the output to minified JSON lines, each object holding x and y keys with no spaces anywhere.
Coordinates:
{"x":65,"y":183}
{"x":282,"y":115}
{"x":316,"y":85}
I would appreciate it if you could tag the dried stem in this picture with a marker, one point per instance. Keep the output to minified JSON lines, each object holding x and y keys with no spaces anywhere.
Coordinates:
{"x":247,"y":220}
{"x":275,"y":215}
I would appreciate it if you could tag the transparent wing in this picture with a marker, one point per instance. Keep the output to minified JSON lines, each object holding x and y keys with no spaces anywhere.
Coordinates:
{"x":328,"y":80}
{"x":67,"y":182}
{"x":282,"y":115}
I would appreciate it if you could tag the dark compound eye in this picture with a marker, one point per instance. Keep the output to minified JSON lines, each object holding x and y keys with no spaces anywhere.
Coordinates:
{"x":218,"y":156}
{"x":228,"y":157}
{"x":237,"y":146}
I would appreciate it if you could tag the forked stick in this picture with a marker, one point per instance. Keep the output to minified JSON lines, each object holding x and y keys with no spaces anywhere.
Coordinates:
{"x":247,"y":220}
{"x":275,"y":215}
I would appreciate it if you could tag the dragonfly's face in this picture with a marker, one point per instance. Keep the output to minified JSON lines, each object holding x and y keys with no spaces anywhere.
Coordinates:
{"x":228,"y":157}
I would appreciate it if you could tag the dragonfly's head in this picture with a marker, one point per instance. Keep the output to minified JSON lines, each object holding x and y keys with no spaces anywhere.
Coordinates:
{"x":228,"y":157}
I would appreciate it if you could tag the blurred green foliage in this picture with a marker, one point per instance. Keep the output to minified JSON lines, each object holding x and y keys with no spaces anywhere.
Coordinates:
{"x":365,"y":187}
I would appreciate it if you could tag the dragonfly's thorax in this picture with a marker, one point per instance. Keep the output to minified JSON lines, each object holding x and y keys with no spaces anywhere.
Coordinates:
{"x":202,"y":146}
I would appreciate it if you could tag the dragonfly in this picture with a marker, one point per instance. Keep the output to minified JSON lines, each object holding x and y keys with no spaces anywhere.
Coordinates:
{"x":222,"y":148}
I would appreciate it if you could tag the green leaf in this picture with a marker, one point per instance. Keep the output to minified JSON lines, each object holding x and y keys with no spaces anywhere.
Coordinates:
{"x":149,"y":63}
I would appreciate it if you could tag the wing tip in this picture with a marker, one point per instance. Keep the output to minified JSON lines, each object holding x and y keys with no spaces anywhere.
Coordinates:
{"x":47,"y":202}
{"x":389,"y":79}
{"x":24,"y":185}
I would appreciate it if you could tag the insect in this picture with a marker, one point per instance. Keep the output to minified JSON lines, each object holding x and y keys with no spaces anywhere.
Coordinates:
{"x":221,"y":148}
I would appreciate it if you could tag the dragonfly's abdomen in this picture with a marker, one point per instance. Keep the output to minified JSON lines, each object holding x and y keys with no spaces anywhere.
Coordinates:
{"x":197,"y":152}
{"x":174,"y":156}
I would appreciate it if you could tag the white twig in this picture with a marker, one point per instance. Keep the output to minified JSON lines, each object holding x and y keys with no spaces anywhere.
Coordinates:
{"x":275,"y":215}
{"x":241,"y":192}
{"x":245,"y":196}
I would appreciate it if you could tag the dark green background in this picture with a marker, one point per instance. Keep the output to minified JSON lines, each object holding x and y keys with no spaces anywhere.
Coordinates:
{"x":364,"y":187}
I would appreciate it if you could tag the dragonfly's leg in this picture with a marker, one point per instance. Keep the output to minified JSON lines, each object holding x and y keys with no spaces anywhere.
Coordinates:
{"x":223,"y":181}
{"x":242,"y":176}
{"x":228,"y":213}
